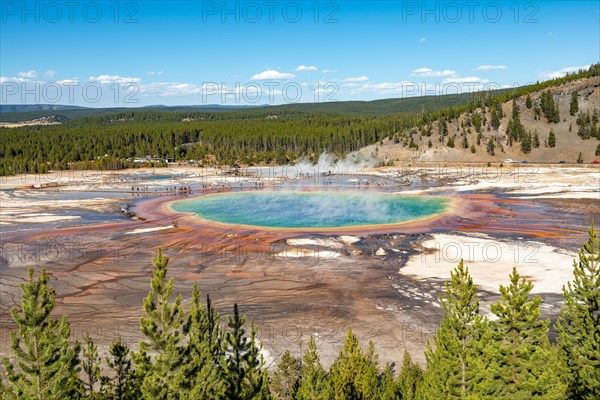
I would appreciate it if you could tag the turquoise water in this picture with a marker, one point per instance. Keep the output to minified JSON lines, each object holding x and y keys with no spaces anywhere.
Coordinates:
{"x":311,"y":209}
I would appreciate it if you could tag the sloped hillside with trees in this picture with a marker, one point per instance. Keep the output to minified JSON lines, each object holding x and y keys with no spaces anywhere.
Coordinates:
{"x":548,"y":122}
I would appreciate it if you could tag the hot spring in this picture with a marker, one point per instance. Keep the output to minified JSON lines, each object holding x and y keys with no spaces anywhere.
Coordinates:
{"x":279,"y":209}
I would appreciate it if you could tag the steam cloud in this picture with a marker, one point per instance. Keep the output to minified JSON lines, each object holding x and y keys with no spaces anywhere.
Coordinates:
{"x":352,"y":163}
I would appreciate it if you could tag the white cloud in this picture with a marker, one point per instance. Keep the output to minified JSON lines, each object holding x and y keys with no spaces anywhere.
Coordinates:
{"x":429,"y":73}
{"x":306,"y":68}
{"x":50,"y":74}
{"x":6,"y":79}
{"x":411,"y":88}
{"x":422,"y":40}
{"x":467,"y":79}
{"x":561,"y":72}
{"x":67,"y":82}
{"x":153,"y":73}
{"x":363,"y":78}
{"x":272,"y":74}
{"x":385,"y":88}
{"x":490,"y":67}
{"x":178,"y":89}
{"x":28,"y":74}
{"x":170,"y":89}
{"x":106,"y":79}
{"x":328,"y":71}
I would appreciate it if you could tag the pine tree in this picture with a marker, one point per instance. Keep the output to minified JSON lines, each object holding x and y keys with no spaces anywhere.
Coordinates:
{"x":410,"y":378}
{"x":354,"y":375}
{"x":491,"y":147}
{"x":90,"y":366}
{"x":160,"y":355}
{"x":516,"y":110}
{"x":523,"y":364}
{"x":201,"y":374}
{"x":536,"y":140}
{"x":477,"y":121}
{"x":47,"y":365}
{"x":389,"y":388}
{"x":584,"y":121}
{"x":496,"y":115}
{"x":442,"y":128}
{"x":450,"y":142}
{"x":551,"y":139}
{"x":243,"y":363}
{"x":574,"y":106}
{"x":511,"y":132}
{"x":549,"y":107}
{"x":528,"y":101}
{"x":122,"y":384}
{"x":580,"y":158}
{"x":597,"y":150}
{"x":369,"y":376}
{"x":526,"y":143}
{"x":473,"y":149}
{"x":515,"y":129}
{"x":465,"y":142}
{"x":313,"y":383}
{"x":453,"y":365}
{"x":285,"y":379}
{"x":578,"y":326}
{"x":344,"y":371}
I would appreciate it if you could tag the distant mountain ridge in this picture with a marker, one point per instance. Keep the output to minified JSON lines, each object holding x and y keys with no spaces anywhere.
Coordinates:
{"x":27,"y":112}
{"x":17,"y":108}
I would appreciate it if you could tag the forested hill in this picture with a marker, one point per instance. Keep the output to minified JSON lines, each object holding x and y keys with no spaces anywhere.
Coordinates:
{"x":409,"y":105}
{"x":540,"y":120}
{"x":28,"y":112}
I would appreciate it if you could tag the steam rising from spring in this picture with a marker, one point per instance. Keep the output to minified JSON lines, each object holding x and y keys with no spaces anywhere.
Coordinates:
{"x":327,"y":164}
{"x":352,"y":163}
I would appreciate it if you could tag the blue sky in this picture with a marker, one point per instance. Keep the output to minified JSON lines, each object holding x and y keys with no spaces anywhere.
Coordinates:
{"x":136,"y":53}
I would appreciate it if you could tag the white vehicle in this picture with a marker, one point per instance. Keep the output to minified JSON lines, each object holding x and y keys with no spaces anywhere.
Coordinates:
{"x":509,"y":161}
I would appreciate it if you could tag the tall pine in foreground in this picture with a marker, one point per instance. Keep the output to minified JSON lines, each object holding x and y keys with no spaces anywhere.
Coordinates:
{"x":160,"y":354}
{"x":243,"y":363}
{"x":201,"y":376}
{"x":578,"y":326}
{"x":122,"y":383}
{"x":523,"y":364}
{"x":410,"y":378}
{"x":90,"y":366}
{"x":453,"y":364}
{"x":284,"y":381}
{"x":354,"y":375}
{"x":313,"y":382}
{"x":46,"y":363}
{"x":389,"y":389}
